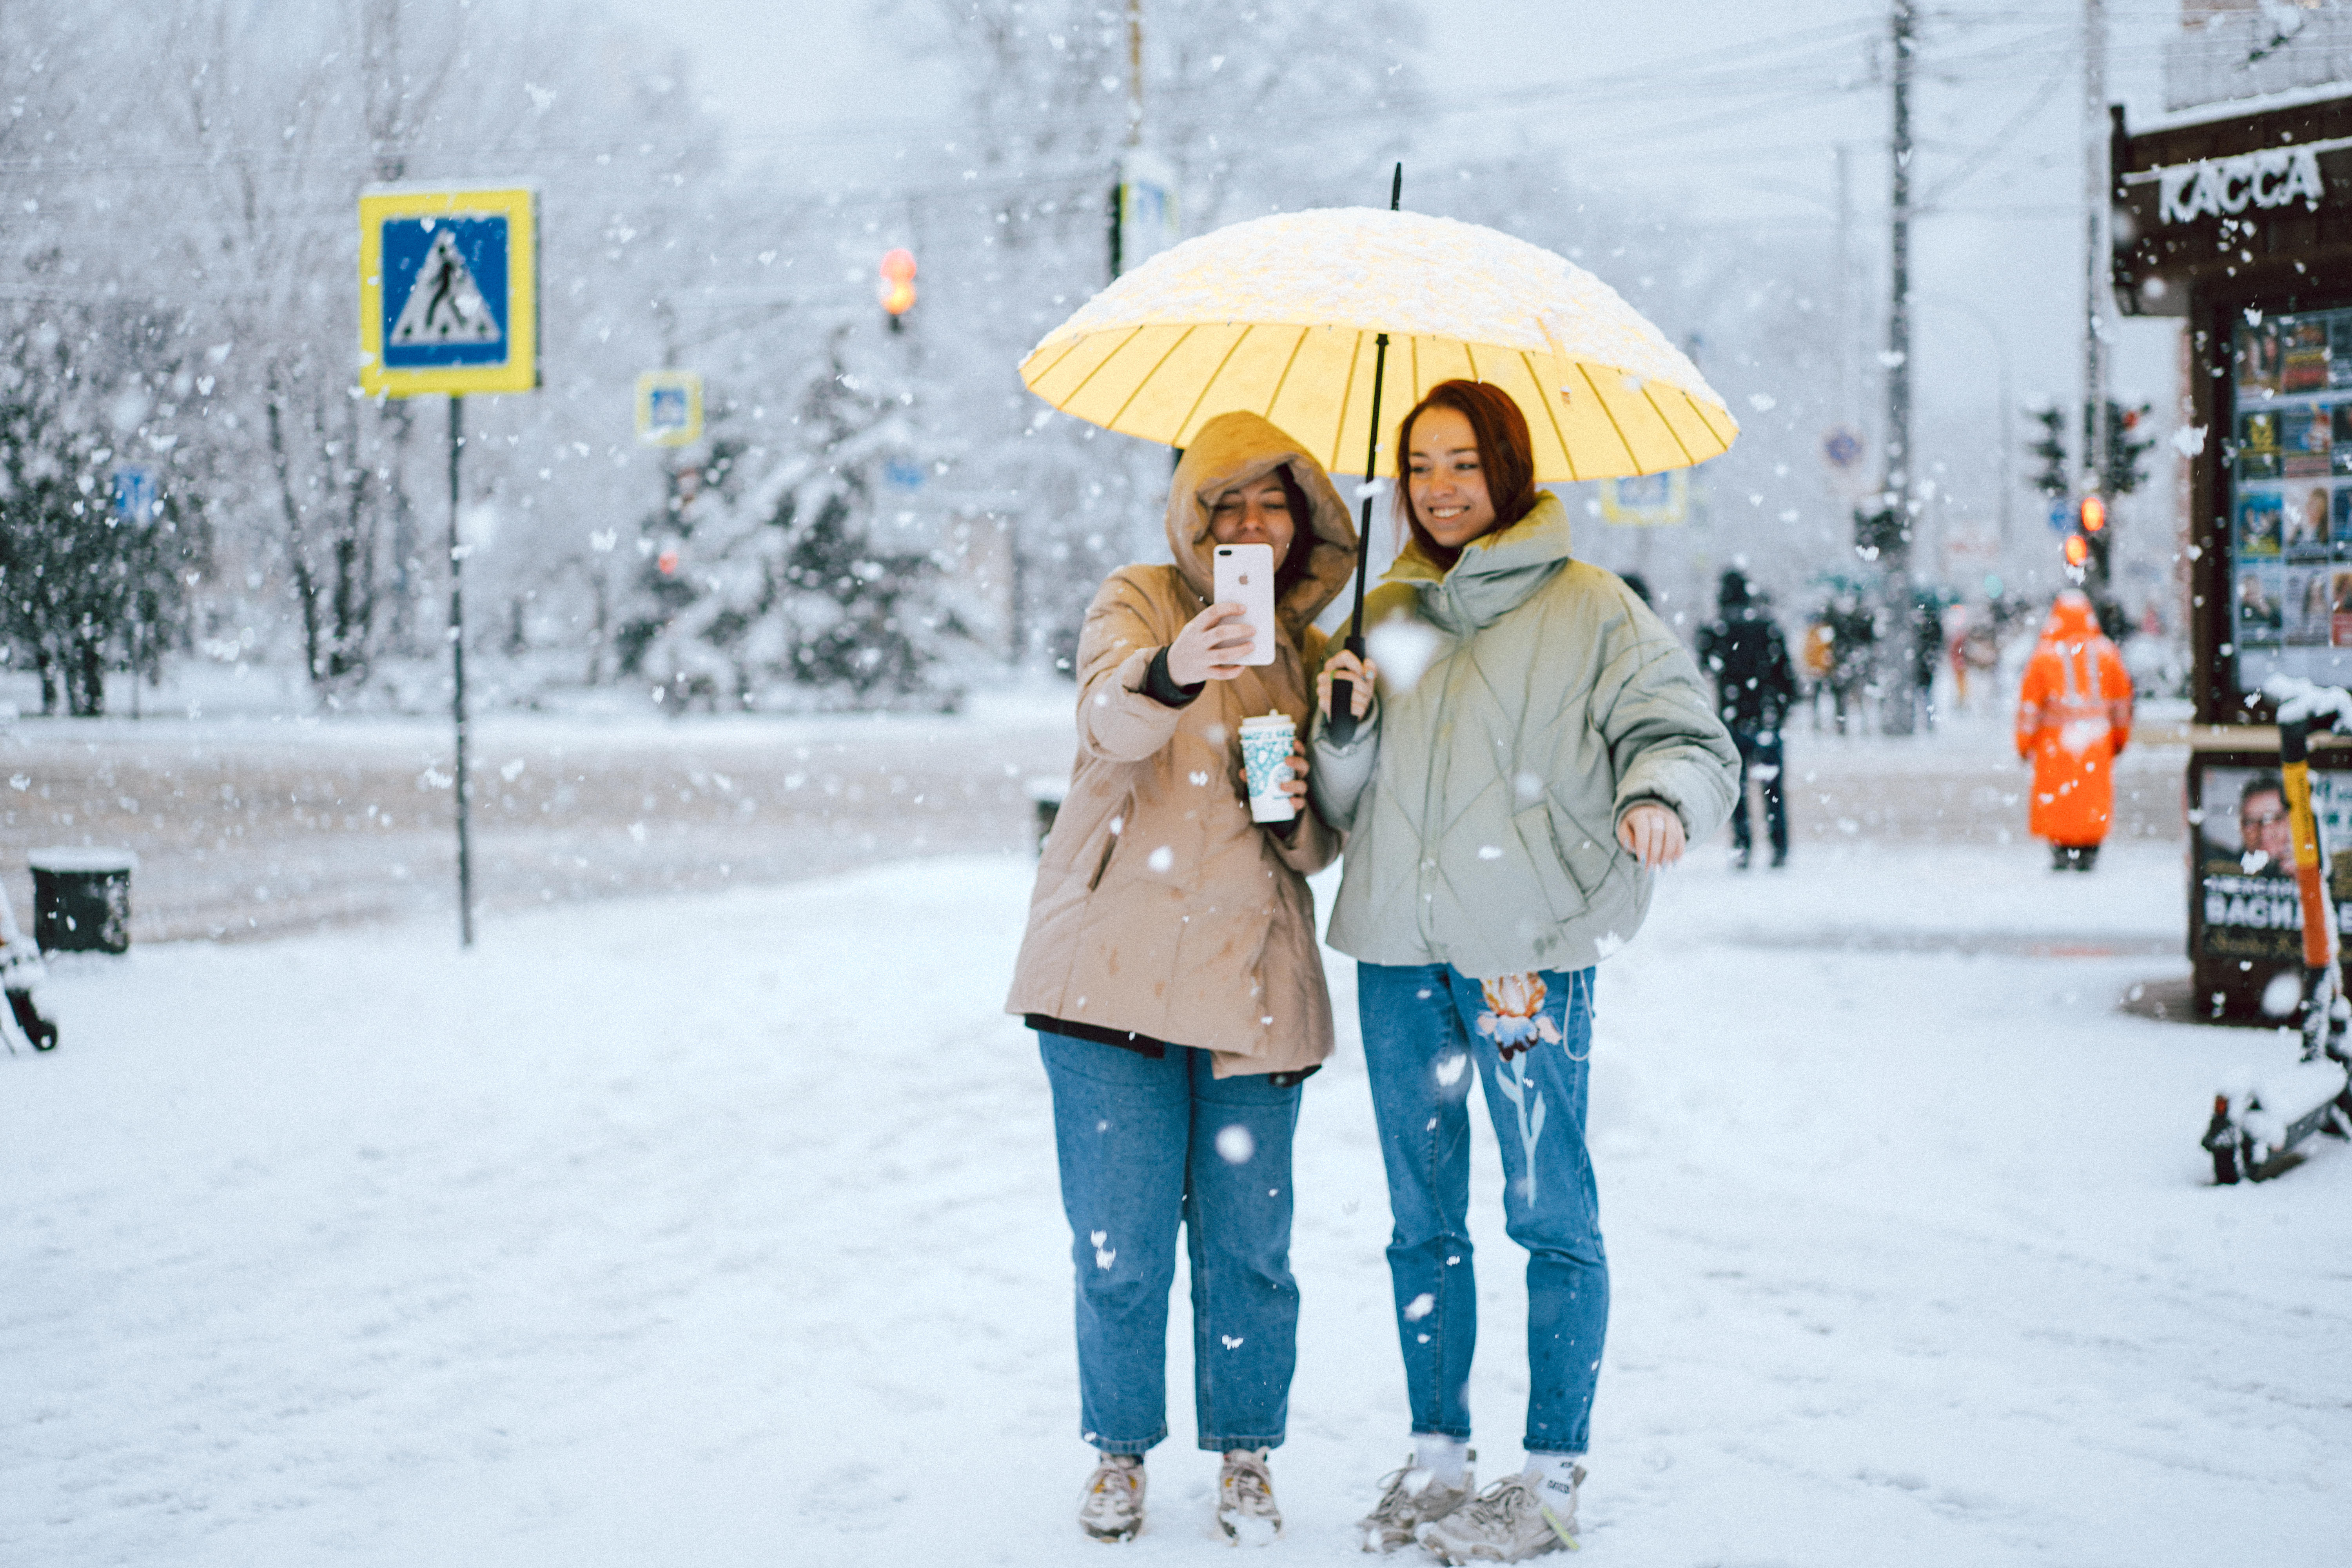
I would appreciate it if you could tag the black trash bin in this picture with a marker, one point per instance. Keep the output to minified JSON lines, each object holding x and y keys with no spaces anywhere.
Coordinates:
{"x":81,"y":899}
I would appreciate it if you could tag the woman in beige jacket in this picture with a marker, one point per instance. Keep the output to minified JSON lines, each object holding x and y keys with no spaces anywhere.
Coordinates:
{"x":1171,"y":973}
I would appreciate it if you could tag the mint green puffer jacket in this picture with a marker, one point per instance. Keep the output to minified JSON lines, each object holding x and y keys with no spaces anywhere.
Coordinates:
{"x":1481,"y":803}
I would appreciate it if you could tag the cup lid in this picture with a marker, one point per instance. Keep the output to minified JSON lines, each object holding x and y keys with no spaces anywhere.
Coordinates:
{"x":1267,"y":721}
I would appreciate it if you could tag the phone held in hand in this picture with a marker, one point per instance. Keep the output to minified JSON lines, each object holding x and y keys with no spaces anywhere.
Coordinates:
{"x":1245,"y":576}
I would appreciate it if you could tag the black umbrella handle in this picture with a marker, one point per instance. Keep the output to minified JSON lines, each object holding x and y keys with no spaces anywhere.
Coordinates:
{"x":1340,"y":724}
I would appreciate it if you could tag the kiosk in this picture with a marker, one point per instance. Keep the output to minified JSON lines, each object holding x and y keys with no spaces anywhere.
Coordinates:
{"x":2238,"y":217}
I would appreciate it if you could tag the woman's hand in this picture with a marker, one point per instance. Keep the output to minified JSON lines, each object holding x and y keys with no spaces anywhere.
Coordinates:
{"x":1653,"y":834}
{"x":1210,"y":646}
{"x":1359,"y":673}
{"x":1295,"y":786}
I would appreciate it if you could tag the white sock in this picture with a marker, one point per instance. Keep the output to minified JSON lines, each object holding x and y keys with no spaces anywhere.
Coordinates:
{"x":1553,"y":1476}
{"x":1443,"y":1457}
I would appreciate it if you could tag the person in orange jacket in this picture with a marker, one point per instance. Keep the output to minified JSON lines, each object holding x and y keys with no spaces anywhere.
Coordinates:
{"x":2074,"y":718}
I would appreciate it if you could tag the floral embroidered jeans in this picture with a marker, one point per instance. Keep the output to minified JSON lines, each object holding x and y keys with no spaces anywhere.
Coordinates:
{"x":1145,"y":1143}
{"x":1528,"y":1038}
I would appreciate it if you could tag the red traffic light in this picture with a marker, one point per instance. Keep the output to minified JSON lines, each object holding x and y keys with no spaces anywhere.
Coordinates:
{"x":2093,"y":514}
{"x":898,"y":289}
{"x":2078,"y":551}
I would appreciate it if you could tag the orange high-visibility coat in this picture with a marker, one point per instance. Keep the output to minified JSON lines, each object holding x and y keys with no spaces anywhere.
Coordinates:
{"x":2074,"y":717}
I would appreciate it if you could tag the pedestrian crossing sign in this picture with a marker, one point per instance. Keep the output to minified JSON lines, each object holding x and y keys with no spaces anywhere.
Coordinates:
{"x":448,"y":289}
{"x":1647,"y":500}
{"x":669,"y":407}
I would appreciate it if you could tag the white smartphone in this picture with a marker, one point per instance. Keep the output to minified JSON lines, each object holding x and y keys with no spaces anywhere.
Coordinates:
{"x":1245,"y":576}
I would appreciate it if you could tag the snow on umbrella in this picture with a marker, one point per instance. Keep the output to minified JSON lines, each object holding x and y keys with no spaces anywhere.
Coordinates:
{"x":1281,"y":315}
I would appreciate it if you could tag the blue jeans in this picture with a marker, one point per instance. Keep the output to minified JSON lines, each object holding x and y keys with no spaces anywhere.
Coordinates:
{"x":1144,"y":1145}
{"x":1422,"y":1025}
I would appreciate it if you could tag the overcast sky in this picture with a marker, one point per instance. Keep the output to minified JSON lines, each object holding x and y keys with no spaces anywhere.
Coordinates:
{"x":1999,"y":97}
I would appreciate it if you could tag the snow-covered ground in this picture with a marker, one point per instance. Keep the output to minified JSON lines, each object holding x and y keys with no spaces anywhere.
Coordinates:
{"x":722,"y":1228}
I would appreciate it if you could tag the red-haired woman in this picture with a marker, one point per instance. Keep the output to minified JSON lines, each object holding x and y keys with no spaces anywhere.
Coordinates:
{"x":1507,"y":808}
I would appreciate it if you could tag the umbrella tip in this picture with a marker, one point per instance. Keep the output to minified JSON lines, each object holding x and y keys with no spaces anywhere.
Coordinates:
{"x":1396,"y":187}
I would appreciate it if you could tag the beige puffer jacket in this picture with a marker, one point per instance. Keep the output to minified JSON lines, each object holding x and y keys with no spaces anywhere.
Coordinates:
{"x":1161,"y":908}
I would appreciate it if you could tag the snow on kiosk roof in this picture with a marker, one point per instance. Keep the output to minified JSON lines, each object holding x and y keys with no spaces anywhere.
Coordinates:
{"x":1278,"y":315}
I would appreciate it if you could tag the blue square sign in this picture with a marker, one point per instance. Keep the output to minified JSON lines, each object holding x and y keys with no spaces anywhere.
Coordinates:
{"x":443,"y":300}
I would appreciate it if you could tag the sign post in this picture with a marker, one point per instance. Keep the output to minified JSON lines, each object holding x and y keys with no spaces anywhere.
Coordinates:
{"x":449,"y":305}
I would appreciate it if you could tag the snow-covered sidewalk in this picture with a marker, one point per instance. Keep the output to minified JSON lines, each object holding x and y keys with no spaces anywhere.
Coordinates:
{"x":723,"y":1229}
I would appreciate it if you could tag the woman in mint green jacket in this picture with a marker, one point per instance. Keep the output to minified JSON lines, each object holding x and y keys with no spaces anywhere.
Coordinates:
{"x":1507,"y":810}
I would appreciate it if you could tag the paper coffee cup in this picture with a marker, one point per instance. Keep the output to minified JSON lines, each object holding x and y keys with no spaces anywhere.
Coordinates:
{"x":1267,"y":743}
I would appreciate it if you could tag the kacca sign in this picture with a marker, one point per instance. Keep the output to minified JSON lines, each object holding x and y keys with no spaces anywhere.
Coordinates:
{"x":2219,"y":187}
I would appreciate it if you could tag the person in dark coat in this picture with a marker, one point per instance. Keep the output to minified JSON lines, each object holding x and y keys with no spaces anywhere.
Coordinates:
{"x":1755,"y":687}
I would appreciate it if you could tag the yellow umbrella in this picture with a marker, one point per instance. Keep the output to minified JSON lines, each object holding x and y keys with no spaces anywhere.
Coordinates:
{"x":1283,"y":316}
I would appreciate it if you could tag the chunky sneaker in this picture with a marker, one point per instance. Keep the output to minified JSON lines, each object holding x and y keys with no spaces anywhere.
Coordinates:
{"x":1112,"y":1506}
{"x":1507,"y":1522}
{"x":1411,"y":1497}
{"x":1245,"y":1511}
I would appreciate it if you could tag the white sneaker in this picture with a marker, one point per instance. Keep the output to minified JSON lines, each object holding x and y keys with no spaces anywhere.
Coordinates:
{"x":1507,"y":1522}
{"x":1112,"y":1509}
{"x":1245,"y":1511}
{"x":1411,"y":1497}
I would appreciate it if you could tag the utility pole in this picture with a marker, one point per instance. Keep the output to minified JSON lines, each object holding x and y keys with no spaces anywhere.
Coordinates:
{"x":1119,"y":192}
{"x":2096,"y":288}
{"x":1893,"y":535}
{"x":1849,"y":404}
{"x":1134,"y":74}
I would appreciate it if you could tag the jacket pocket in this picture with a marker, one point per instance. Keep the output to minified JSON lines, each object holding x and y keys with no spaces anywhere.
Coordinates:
{"x":1563,"y":892}
{"x":1590,"y":857}
{"x":1118,"y":823}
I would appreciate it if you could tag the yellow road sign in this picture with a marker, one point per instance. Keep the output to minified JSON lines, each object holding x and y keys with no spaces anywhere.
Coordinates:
{"x":448,"y":289}
{"x":669,"y":407}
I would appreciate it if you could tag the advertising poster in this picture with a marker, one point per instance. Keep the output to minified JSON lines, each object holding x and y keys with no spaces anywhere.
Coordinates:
{"x":2257,"y":356}
{"x":2261,"y":621}
{"x":2310,"y":607}
{"x":2258,"y":447}
{"x":2305,"y":436}
{"x":2261,"y":521}
{"x":2306,"y":523}
{"x":2303,"y":343}
{"x":2290,"y":504}
{"x":2245,"y":864}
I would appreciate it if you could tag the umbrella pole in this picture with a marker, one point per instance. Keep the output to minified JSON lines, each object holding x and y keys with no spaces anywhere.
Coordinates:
{"x":1340,"y":722}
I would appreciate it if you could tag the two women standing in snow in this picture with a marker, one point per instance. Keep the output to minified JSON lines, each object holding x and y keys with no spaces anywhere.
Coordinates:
{"x":1171,"y":973}
{"x":1505,"y":808}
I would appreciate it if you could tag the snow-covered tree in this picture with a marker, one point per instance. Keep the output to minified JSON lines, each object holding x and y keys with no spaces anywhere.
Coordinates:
{"x":99,"y":521}
{"x":814,"y":575}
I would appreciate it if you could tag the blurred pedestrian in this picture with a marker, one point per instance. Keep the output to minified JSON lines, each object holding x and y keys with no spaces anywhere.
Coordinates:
{"x":1853,"y":643}
{"x":1171,"y":973}
{"x":1755,"y":687}
{"x":1508,"y":806}
{"x":2073,"y":719}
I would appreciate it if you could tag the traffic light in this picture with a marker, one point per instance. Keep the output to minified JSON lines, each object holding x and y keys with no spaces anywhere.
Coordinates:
{"x":2090,"y":527}
{"x":897,"y":290}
